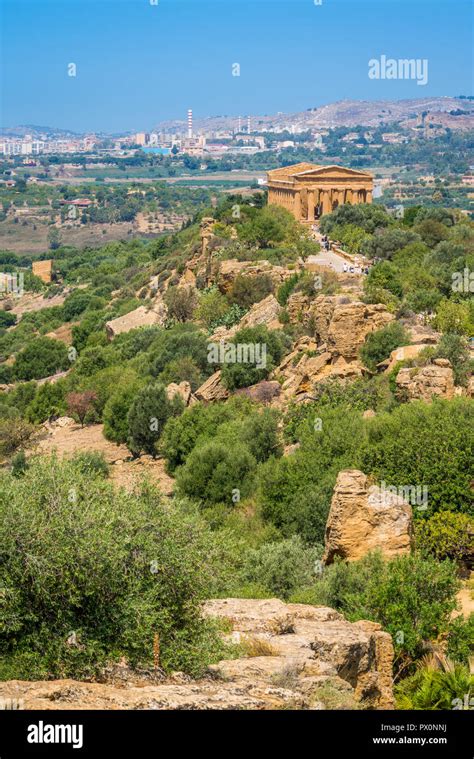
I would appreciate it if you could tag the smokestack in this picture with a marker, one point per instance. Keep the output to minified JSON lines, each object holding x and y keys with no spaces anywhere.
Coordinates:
{"x":190,"y":124}
{"x":248,"y":124}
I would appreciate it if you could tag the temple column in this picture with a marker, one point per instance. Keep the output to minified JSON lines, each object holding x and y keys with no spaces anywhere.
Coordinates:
{"x":326,"y":202}
{"x":368,"y":196}
{"x":310,"y":205}
{"x":297,"y":205}
{"x":349,"y":197}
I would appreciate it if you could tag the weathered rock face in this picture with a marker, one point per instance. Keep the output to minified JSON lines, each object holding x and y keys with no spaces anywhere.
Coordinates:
{"x":436,"y":379}
{"x":140,"y":317}
{"x":226,"y":271}
{"x":212,"y":389}
{"x":263,"y":392}
{"x":339,"y":322}
{"x":183,"y":391}
{"x":314,"y":659}
{"x":364,"y":518}
{"x":351,"y":323}
{"x":264,"y":312}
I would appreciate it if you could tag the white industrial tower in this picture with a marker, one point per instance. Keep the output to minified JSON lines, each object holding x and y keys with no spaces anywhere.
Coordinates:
{"x":190,"y":123}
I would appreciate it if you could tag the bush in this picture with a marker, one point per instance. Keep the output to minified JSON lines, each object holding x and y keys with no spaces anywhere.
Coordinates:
{"x":147,"y":417}
{"x":14,"y":433}
{"x":424,"y":444}
{"x":281,"y":567}
{"x":447,"y":536}
{"x":460,"y":640}
{"x":116,"y":411}
{"x":182,"y":303}
{"x":215,"y":473}
{"x":109,"y":569}
{"x":379,"y":345}
{"x":411,"y":597}
{"x":91,"y":463}
{"x":295,"y":491}
{"x":456,"y":349}
{"x":236,"y":375}
{"x":199,"y":422}
{"x":213,"y":306}
{"x":246,"y":291}
{"x":181,"y":341}
{"x":42,"y":358}
{"x":7,"y":319}
{"x":48,"y":402}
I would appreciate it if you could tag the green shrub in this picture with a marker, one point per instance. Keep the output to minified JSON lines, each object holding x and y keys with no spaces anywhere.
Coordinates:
{"x":147,"y":417}
{"x":199,"y":422}
{"x":424,"y":444}
{"x":7,"y":319}
{"x":246,"y":290}
{"x":91,"y":463}
{"x":49,"y":401}
{"x":447,"y":536}
{"x":116,"y":411}
{"x":280,"y":568}
{"x":379,"y":345}
{"x":239,"y":374}
{"x":295,"y":491}
{"x":411,"y":597}
{"x":104,"y":570}
{"x":14,"y":433}
{"x":215,"y":473}
{"x":41,"y":358}
{"x":460,"y":640}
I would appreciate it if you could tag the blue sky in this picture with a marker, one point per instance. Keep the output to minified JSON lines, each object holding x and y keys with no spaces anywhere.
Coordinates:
{"x":138,"y":63}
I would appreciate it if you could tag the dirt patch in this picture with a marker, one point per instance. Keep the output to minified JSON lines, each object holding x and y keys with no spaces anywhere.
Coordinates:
{"x":68,"y":438}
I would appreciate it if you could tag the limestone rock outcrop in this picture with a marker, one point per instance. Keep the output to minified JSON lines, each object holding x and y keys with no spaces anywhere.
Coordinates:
{"x":436,"y":379}
{"x":212,"y":389}
{"x":183,"y":391}
{"x":264,"y":312}
{"x":304,"y":657}
{"x":226,"y":271}
{"x":140,"y":317}
{"x":363,"y":518}
{"x":350,"y":324}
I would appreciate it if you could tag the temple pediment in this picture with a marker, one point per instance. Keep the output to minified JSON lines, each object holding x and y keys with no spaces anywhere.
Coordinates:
{"x":330,"y":172}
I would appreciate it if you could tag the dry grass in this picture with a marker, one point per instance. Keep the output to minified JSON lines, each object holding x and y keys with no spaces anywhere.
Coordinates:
{"x":253,"y":647}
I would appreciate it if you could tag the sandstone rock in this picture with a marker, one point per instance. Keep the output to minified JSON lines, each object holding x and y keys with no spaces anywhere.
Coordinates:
{"x":436,"y":379}
{"x":403,"y":353}
{"x":183,"y":390}
{"x":263,"y":392}
{"x":362,"y":519}
{"x":351,"y":323}
{"x":212,"y":389}
{"x":140,"y":317}
{"x":317,"y":642}
{"x":264,"y":312}
{"x":226,"y":271}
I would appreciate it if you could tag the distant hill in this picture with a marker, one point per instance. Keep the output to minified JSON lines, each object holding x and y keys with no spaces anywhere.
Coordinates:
{"x":346,"y":113}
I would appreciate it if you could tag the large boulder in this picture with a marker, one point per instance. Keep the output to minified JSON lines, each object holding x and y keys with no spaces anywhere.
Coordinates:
{"x":212,"y":389}
{"x":140,"y":317}
{"x":363,"y":518}
{"x":264,"y":312}
{"x":436,"y":379}
{"x":351,"y":323}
